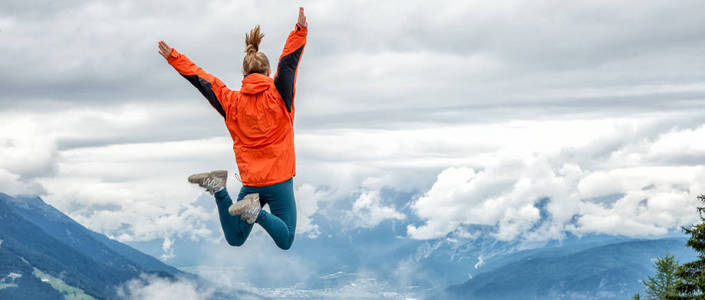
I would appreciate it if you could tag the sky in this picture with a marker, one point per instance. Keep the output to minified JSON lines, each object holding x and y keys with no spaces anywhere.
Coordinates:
{"x":536,"y":118}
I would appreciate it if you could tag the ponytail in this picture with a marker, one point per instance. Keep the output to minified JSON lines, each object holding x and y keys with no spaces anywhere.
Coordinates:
{"x":255,"y":61}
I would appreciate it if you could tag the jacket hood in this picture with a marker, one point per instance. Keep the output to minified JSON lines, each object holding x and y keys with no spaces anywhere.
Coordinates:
{"x":256,"y":83}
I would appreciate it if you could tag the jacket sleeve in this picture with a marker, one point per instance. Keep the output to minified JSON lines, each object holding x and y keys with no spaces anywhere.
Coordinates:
{"x":211,"y":87}
{"x":285,"y":78}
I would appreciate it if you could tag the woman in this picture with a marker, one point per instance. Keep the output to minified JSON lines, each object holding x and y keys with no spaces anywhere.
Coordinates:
{"x":260,"y":120}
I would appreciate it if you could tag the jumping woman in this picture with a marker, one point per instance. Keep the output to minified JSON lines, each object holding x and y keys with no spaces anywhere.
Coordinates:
{"x":260,"y":119}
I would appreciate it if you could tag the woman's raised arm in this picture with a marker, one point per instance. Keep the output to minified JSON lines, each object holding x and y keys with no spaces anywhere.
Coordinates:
{"x":285,"y":78}
{"x":210,"y":86}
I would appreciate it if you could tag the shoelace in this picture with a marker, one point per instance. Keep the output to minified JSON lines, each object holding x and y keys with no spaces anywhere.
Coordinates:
{"x":210,"y":183}
{"x":252,"y":210}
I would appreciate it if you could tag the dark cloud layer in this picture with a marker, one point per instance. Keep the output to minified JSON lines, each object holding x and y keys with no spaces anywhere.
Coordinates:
{"x":387,"y":63}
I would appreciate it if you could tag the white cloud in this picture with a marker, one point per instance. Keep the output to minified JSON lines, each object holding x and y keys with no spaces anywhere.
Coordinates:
{"x":153,"y":287}
{"x":307,"y":200}
{"x":630,"y":191}
{"x":132,"y":191}
{"x":26,"y":152}
{"x":13,"y":184}
{"x":167,"y":249}
{"x":137,"y":192}
{"x":686,"y":143}
{"x":503,"y":193}
{"x":655,"y":200}
{"x":511,"y":164}
{"x":368,"y":211}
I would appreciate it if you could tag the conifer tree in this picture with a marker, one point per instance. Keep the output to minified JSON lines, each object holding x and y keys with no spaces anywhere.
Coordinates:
{"x":663,"y":284}
{"x":691,"y":276}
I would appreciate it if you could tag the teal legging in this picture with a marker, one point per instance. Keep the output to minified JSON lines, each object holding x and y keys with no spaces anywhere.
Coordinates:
{"x":280,"y":223}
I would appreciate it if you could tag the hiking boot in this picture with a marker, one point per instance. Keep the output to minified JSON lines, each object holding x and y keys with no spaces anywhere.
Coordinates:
{"x":212,"y":181}
{"x":248,"y":208}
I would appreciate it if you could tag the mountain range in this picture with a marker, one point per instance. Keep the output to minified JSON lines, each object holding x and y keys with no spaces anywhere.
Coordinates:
{"x":44,"y":254}
{"x":600,"y":271}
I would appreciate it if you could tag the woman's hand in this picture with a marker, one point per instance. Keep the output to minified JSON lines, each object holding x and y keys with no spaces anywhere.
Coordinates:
{"x":302,"y":18}
{"x":165,"y":50}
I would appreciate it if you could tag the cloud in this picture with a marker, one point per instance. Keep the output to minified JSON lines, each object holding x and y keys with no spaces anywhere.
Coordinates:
{"x":153,"y":287}
{"x":256,"y":264}
{"x":167,"y":249}
{"x":654,"y":200}
{"x":502,"y":194}
{"x":633,"y":191}
{"x":102,"y":185}
{"x":307,"y":203}
{"x":23,"y":154}
{"x":130,"y":191}
{"x":11,"y":183}
{"x":368,"y":211}
{"x":26,"y":153}
{"x":454,"y":62}
{"x":138,"y":192}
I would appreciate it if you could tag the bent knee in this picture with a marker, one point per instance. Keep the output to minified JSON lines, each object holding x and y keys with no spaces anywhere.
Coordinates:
{"x":285,"y":245}
{"x":235,"y":242}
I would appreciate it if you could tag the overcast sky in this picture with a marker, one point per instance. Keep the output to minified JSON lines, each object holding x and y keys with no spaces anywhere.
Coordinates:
{"x":477,"y":108}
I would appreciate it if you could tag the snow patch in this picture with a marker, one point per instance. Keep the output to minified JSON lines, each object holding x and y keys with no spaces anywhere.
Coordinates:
{"x":480,"y":262}
{"x":12,"y":276}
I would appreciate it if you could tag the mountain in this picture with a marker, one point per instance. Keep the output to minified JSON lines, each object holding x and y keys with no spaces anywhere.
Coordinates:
{"x":426,"y":265}
{"x":44,"y":254}
{"x":602,"y":271}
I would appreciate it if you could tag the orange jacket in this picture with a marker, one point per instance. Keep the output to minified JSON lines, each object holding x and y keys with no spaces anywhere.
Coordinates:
{"x":260,"y":116}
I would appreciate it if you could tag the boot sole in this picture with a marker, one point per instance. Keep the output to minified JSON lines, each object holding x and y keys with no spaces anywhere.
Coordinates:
{"x":237,"y":208}
{"x":198,"y":178}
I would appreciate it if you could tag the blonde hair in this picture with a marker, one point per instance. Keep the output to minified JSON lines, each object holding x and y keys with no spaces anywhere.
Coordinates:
{"x":254,"y":61}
